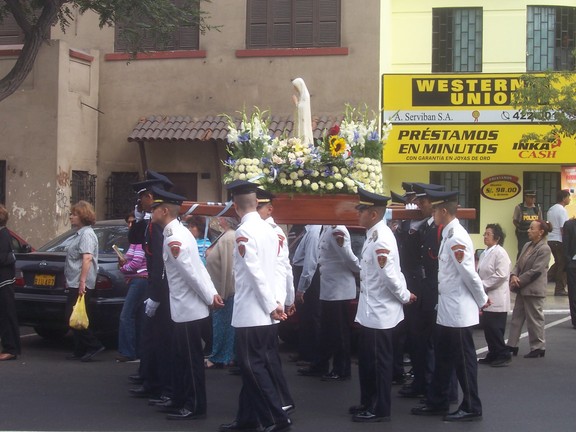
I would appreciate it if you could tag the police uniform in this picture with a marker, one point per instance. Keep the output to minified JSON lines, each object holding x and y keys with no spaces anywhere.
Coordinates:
{"x":461,"y":295}
{"x":155,"y":344}
{"x":191,"y":294}
{"x":337,"y":265}
{"x":383,"y":291}
{"x":524,"y":216}
{"x":284,"y":295}
{"x":255,"y":266}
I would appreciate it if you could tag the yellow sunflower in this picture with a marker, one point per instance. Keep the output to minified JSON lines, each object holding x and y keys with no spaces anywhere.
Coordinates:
{"x":337,"y":145}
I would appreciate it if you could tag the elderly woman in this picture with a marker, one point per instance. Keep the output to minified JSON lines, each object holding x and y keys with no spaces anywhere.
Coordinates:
{"x":219,"y":266}
{"x":80,"y":270}
{"x":528,"y":280}
{"x":494,"y":270}
{"x":9,"y":330}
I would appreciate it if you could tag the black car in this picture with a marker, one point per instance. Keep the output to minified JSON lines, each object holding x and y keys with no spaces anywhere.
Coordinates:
{"x":41,"y":290}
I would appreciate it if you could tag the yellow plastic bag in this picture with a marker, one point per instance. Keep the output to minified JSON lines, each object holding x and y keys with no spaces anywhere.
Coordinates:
{"x":79,"y":318}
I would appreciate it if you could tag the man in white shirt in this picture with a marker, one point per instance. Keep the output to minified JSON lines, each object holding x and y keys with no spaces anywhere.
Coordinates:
{"x":557,"y":216}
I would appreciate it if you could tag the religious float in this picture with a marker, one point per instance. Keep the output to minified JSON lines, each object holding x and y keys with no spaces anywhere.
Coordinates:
{"x":315,"y":181}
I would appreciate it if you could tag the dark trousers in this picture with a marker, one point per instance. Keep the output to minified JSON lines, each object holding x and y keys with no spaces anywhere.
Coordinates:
{"x":156,"y":351}
{"x":375,"y":359}
{"x":399,"y":341}
{"x":259,"y":402}
{"x":494,"y":324}
{"x":559,"y":265}
{"x":455,"y":350}
{"x":522,"y":237}
{"x":571,"y":277}
{"x":335,"y":338}
{"x":276,"y":372}
{"x":9,"y":329}
{"x":207,"y":335}
{"x":309,"y":315}
{"x":190,"y":381}
{"x":421,"y":334}
{"x":84,"y":340}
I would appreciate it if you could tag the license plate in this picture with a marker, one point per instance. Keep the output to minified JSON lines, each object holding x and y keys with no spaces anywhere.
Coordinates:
{"x":44,"y":280}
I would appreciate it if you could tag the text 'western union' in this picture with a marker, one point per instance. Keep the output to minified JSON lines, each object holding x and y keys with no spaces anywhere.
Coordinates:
{"x":463,"y":91}
{"x":474,"y":141}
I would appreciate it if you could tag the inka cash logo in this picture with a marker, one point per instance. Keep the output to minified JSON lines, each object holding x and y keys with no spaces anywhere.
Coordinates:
{"x":535,"y":150}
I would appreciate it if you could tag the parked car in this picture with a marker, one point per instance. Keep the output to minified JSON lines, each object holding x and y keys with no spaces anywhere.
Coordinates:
{"x":288,"y":329}
{"x":19,"y":245}
{"x":41,"y":289}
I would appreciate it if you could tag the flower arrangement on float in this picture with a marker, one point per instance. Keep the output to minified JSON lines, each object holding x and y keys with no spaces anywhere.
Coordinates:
{"x":347,"y":156}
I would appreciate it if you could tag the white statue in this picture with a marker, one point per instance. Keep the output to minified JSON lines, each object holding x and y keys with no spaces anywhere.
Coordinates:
{"x":303,"y":122}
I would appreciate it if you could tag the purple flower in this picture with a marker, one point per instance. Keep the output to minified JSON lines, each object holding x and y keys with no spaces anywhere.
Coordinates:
{"x":373,"y":136}
{"x":356,"y":136}
{"x":245,"y":137}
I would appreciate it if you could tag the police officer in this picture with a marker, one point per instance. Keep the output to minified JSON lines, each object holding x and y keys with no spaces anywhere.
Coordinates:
{"x":524,"y":213}
{"x":256,"y":309}
{"x":461,"y":296}
{"x":337,"y":265}
{"x":285,"y":287}
{"x":155,"y":362}
{"x":382,"y":293}
{"x":191,"y":293}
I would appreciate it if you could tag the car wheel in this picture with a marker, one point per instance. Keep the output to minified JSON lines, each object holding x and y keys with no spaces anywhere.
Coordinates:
{"x":50,"y":332}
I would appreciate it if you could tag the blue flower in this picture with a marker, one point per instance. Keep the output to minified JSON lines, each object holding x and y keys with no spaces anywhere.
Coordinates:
{"x":245,"y":137}
{"x":356,"y":135}
{"x":373,"y":136}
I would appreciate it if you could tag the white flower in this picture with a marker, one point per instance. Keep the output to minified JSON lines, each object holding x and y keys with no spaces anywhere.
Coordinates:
{"x":266,"y":171}
{"x":305,"y":182}
{"x":314,"y":186}
{"x":335,"y":169}
{"x":338,"y":176}
{"x":321,"y":184}
{"x":298,"y":183}
{"x":232,"y":135}
{"x":329,"y":186}
{"x":242,"y":176}
{"x":240,"y":168}
{"x":344,"y":171}
{"x":283,"y":181}
{"x":339,"y":185}
{"x":294,"y":175}
{"x":300,"y":173}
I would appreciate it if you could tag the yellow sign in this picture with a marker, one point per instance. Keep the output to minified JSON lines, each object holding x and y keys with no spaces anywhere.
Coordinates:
{"x":500,"y":187}
{"x":474,"y":143}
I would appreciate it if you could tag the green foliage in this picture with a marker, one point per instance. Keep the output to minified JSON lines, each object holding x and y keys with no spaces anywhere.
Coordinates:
{"x":546,"y":96}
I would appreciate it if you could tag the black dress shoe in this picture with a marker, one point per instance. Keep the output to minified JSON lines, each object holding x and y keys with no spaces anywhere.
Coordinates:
{"x":410,"y":393}
{"x":159,"y":400}
{"x":355,"y":409}
{"x":501,"y":362}
{"x":89,"y":355}
{"x":309,"y":371}
{"x":561,"y":293}
{"x":535,"y":353}
{"x":334,"y":377}
{"x":278,"y":427}
{"x":135,"y":379}
{"x":289,"y":409}
{"x":235,"y":426}
{"x":368,"y":417}
{"x":486,"y":360}
{"x":462,"y":416}
{"x":185,"y":414}
{"x":513,"y":350}
{"x":141,"y":392}
{"x":428,"y":410}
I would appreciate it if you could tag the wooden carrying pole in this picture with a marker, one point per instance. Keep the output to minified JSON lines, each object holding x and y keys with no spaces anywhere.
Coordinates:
{"x":291,"y":209}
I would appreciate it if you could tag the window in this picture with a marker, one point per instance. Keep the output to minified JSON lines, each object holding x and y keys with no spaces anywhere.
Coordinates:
{"x":83,"y":187}
{"x":293,"y":24}
{"x":546,"y":184}
{"x":468,"y":186}
{"x":186,"y":37}
{"x":10,"y":33}
{"x":2,"y":182}
{"x":550,"y":37}
{"x":120,"y":196}
{"x":457,"y":40}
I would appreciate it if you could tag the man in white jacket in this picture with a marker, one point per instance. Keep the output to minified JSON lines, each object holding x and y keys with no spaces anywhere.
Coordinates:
{"x":191,"y":294}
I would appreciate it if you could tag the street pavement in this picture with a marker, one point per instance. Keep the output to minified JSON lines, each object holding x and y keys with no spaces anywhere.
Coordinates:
{"x":42,"y":391}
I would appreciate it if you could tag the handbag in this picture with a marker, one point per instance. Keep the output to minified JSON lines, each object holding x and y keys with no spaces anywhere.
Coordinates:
{"x":79,"y":318}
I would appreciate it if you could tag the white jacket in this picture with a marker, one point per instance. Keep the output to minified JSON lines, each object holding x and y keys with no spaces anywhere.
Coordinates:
{"x":191,"y":289}
{"x":382,"y":285}
{"x":460,"y":290}
{"x":494,"y":270}
{"x":285,"y":277}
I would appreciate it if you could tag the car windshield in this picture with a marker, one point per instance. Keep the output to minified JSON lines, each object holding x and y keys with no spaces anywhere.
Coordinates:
{"x":108,"y":235}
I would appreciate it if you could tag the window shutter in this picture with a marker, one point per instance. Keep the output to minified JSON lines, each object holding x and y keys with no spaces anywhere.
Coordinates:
{"x":257,"y":22}
{"x":10,"y":33}
{"x":281,"y":23}
{"x":304,"y":23}
{"x":189,"y":38}
{"x":328,"y":23}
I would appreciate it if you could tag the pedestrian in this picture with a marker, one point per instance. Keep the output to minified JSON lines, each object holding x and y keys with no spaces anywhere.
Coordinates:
{"x":191,"y":294}
{"x":461,"y":296}
{"x":569,"y":241}
{"x":285,"y":287}
{"x":494,"y":271}
{"x":383,"y":291}
{"x":524,"y":213}
{"x":9,"y":329}
{"x":155,"y":372}
{"x":80,"y":271}
{"x":557,"y":216}
{"x":133,"y":266}
{"x":528,"y":280}
{"x":256,"y":309}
